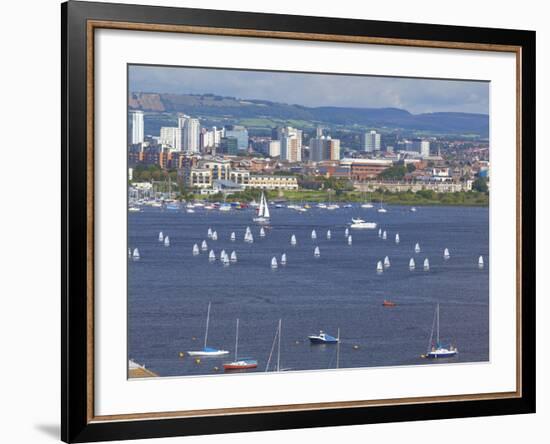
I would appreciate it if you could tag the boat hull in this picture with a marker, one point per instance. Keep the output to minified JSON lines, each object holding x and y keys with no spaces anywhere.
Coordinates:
{"x":441,"y":354}
{"x":208,"y":353}
{"x":240,"y":366}
{"x":316,"y":340}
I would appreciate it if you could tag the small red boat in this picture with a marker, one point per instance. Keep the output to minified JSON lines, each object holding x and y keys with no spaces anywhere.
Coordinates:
{"x":388,"y":303}
{"x":241,"y":364}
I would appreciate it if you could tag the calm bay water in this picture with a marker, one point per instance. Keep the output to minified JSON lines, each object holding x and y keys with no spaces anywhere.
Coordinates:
{"x":169,"y":288}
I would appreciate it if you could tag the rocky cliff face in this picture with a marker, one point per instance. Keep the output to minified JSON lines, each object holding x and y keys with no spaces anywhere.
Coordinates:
{"x":146,"y":102}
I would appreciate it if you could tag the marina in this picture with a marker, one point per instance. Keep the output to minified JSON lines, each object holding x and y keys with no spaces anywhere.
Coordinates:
{"x":170,"y":288}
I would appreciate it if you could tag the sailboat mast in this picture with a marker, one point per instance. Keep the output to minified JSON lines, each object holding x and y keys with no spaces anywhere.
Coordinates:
{"x":237,"y":339}
{"x":338,"y":351}
{"x":279,"y":348}
{"x":438,"y":325}
{"x":207,"y":322}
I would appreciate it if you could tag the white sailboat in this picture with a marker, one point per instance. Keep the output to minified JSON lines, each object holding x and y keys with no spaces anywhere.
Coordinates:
{"x":367,"y":204}
{"x":313,"y":234}
{"x":397,"y":240}
{"x":204,"y":246}
{"x":209,"y":233}
{"x":223,"y":254}
{"x":161,"y":237}
{"x":426,"y":264}
{"x":167,"y":241}
{"x":211,"y":256}
{"x":215,"y":235}
{"x":387,"y":263}
{"x":248,"y":237}
{"x":207,"y":351}
{"x":480,"y":262}
{"x":262,"y":232}
{"x":225,"y":260}
{"x":293,"y":240}
{"x":274,"y":262}
{"x":346,"y":233}
{"x":381,"y":208}
{"x":195,"y":250}
{"x":412,"y":265}
{"x":350,"y":240}
{"x":317,"y":252}
{"x":384,"y":235}
{"x":233,"y":257}
{"x":329,"y":234}
{"x":263,"y":211}
{"x":379,"y":267}
{"x":446,"y":254}
{"x":135,"y":255}
{"x":380,"y":232}
{"x":233,"y":237}
{"x":436,"y":350}
{"x":417,"y":248}
{"x":283,"y":259}
{"x":129,"y":253}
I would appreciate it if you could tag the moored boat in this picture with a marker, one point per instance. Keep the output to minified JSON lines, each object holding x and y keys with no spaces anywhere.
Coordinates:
{"x":242,"y":363}
{"x":207,"y":351}
{"x":437,"y":350}
{"x":322,"y":338}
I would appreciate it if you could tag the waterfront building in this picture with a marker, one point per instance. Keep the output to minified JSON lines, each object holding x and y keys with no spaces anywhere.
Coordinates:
{"x":229,"y":145}
{"x":372,"y":141}
{"x":171,"y":136}
{"x":240,"y":133}
{"x":365,"y":169}
{"x":136,"y":127}
{"x":272,"y":182}
{"x":220,"y":168}
{"x":291,"y":144}
{"x":241,"y":177}
{"x":200,"y":178}
{"x":191,"y":135}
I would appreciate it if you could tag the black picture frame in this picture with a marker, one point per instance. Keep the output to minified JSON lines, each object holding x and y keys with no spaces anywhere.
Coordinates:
{"x":76,"y":423}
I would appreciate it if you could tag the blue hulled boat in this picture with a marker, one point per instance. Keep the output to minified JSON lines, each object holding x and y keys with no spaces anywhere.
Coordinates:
{"x":323,"y":338}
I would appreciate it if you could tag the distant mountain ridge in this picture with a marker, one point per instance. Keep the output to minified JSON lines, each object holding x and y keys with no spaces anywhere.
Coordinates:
{"x":219,"y":106}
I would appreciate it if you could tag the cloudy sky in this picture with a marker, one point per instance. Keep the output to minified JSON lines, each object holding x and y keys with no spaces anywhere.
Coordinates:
{"x":414,"y":95}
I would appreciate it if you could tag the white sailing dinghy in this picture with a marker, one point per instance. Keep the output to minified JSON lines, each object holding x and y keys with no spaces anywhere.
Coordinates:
{"x":387,"y":263}
{"x":437,"y":350}
{"x":222,"y":255}
{"x":384,"y":235}
{"x":135,"y":255}
{"x":215,"y":235}
{"x":204,"y":246}
{"x":397,"y":240}
{"x":293,"y":240}
{"x":274,"y":262}
{"x":346,"y":233}
{"x":233,"y":257}
{"x":417,"y":248}
{"x":167,"y":241}
{"x":161,"y":237}
{"x":446,"y":254}
{"x":480,"y":262}
{"x":317,"y":252}
{"x":233,"y":237}
{"x":209,"y":233}
{"x":207,"y":351}
{"x":195,"y":250}
{"x":212,"y":256}
{"x":129,"y":253}
{"x":379,"y":267}
{"x":225,"y":260}
{"x":329,"y":234}
{"x":350,"y":240}
{"x":426,"y":265}
{"x":412,"y":265}
{"x":380,"y":232}
{"x":263,"y":211}
{"x":283,"y":259}
{"x":313,"y":234}
{"x":262,"y":232}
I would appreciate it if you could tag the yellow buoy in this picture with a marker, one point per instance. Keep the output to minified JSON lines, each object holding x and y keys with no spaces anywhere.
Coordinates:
{"x":181,"y":354}
{"x":197,"y":360}
{"x":216,"y":369}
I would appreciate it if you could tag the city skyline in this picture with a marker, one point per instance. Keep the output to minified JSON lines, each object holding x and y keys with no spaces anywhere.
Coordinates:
{"x":313,"y":90}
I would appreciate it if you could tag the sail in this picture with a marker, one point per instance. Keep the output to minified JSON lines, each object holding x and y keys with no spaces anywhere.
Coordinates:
{"x":293,"y":240}
{"x":215,"y":235}
{"x":204,"y":246}
{"x":411,"y":264}
{"x":480,"y":262}
{"x":426,"y":264}
{"x":261,"y":209}
{"x":417,"y":248}
{"x":161,"y":237}
{"x":274,"y":262}
{"x":380,"y":232}
{"x":262,"y":232}
{"x":384,"y":235}
{"x":283,"y":259}
{"x":233,"y":257}
{"x":212,"y":256}
{"x":350,"y":240}
{"x":397,"y":240}
{"x":225,"y":260}
{"x":136,"y":254}
{"x":346,"y":233}
{"x":195,"y":250}
{"x":387,"y":262}
{"x":166,"y":241}
{"x":233,"y":236}
{"x":222,"y":254}
{"x":317,"y":252}
{"x":313,"y":234}
{"x":266,"y":208}
{"x":209,"y":233}
{"x":329,"y":234}
{"x":379,"y":267}
{"x":446,"y":253}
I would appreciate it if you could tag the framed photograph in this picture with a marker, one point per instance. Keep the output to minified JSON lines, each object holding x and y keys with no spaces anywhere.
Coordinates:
{"x":276,"y":221}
